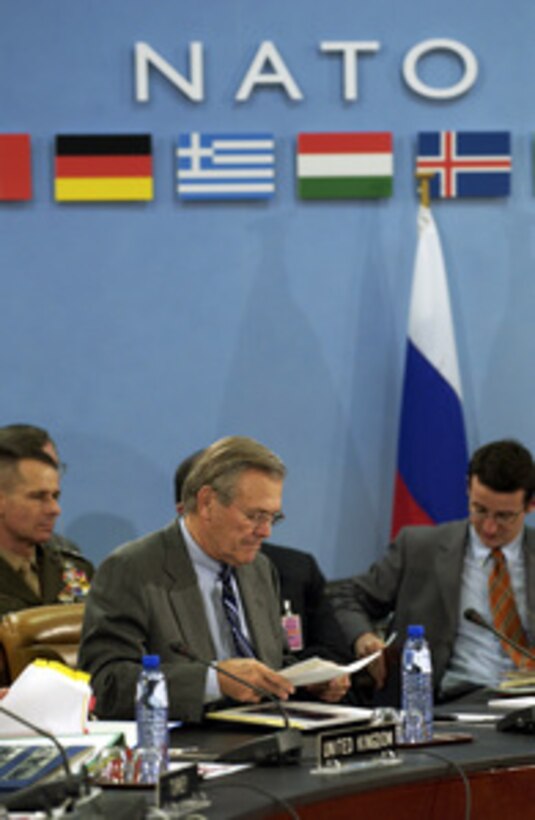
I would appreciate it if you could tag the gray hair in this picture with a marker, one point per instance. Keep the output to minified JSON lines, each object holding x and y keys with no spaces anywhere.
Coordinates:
{"x":222,"y":463}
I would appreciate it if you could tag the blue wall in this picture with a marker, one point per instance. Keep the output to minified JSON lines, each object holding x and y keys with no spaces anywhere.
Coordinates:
{"x":140,"y":332}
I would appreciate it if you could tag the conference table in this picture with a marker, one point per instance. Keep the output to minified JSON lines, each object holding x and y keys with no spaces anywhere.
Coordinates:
{"x":491,"y":771}
{"x":475,"y":772}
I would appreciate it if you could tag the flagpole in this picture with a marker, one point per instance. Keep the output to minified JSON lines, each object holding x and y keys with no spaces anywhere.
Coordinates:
{"x":432,"y":455}
{"x":424,"y":178}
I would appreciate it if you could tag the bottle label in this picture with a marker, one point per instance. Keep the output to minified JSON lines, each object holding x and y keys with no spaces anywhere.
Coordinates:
{"x":421,"y":658}
{"x":294,"y":634}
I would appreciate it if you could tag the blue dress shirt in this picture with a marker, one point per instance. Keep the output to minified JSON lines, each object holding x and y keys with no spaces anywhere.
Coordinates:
{"x":478,"y":655}
{"x":207,"y":571}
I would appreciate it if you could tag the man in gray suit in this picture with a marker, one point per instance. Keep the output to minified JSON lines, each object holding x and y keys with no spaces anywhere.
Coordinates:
{"x":431,"y":575}
{"x":163,"y":593}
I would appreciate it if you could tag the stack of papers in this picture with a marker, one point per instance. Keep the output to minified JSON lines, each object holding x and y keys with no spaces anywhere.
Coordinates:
{"x":52,"y":696}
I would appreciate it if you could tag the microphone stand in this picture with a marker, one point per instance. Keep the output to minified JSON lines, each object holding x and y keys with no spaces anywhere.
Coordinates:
{"x":475,"y":617}
{"x":278,"y":748}
{"x":519,"y":720}
{"x":42,"y":796}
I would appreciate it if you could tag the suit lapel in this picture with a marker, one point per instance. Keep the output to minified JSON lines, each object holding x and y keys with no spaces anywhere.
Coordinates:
{"x":184,"y":595}
{"x":257,"y":606}
{"x":529,"y":558}
{"x":449,"y":557}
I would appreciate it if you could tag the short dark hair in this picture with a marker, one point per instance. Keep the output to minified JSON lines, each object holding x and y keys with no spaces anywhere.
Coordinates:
{"x":25,"y":436}
{"x":182,"y":471}
{"x":504,"y":466}
{"x":10,"y":458}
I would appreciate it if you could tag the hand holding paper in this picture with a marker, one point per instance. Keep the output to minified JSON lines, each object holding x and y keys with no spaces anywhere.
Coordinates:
{"x":317,"y":670}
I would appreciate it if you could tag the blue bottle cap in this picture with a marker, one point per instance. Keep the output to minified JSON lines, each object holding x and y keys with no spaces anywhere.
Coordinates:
{"x":415,"y":631}
{"x":150,"y":661}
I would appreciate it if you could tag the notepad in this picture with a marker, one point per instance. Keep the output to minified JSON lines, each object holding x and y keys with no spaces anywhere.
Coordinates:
{"x":22,"y":766}
{"x":304,"y":715}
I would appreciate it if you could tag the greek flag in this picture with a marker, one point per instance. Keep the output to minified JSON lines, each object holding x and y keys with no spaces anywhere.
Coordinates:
{"x":225,"y":166}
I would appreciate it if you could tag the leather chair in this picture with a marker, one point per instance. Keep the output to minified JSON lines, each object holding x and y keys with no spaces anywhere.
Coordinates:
{"x":51,"y":632}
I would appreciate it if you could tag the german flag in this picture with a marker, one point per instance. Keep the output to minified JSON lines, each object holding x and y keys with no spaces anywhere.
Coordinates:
{"x":103,"y":167}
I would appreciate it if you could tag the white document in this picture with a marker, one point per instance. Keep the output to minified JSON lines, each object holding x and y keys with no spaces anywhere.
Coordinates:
{"x":124,"y":728}
{"x":510,"y":704}
{"x":318,"y":670}
{"x":49,"y":695}
{"x":127,"y":729}
{"x":468,"y":717}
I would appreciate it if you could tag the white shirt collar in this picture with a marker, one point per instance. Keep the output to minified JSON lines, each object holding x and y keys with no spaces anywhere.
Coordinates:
{"x":481,"y":553}
{"x":196,"y":553}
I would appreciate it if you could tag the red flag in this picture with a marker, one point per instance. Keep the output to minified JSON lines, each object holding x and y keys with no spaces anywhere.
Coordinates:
{"x":15,"y":167}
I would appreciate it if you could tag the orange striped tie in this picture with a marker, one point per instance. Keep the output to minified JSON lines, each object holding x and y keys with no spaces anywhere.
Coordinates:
{"x":503,"y":607}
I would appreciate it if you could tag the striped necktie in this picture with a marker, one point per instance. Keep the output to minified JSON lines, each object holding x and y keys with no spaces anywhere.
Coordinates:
{"x":230,"y":606}
{"x":503,"y":607}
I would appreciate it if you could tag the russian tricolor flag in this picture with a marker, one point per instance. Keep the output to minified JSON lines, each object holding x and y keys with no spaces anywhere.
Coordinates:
{"x":432,"y":453}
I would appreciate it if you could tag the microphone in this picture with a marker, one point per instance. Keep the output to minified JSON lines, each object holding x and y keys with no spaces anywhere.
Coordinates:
{"x":475,"y":617}
{"x":519,"y":720}
{"x":41,"y":796}
{"x":279,"y":748}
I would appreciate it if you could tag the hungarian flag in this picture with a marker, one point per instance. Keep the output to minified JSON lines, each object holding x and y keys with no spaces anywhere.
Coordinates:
{"x":432,"y":455}
{"x":15,"y":167}
{"x":345,"y":166}
{"x":103,"y":167}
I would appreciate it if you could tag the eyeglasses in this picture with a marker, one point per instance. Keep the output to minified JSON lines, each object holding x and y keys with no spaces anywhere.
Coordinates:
{"x":259,"y":517}
{"x":502,"y":518}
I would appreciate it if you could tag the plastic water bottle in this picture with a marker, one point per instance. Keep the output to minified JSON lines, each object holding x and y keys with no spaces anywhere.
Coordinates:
{"x":416,"y":687}
{"x":151,"y":717}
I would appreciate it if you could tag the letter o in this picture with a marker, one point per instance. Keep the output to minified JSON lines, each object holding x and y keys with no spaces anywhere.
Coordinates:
{"x":466,"y":56}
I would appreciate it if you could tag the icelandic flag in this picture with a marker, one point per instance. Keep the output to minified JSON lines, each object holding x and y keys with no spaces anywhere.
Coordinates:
{"x":466,"y":163}
{"x":225,"y":166}
{"x":432,"y":454}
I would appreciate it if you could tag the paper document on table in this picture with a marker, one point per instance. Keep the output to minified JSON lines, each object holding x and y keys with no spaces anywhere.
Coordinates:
{"x":318,"y":670}
{"x":518,"y":682}
{"x":127,"y":729}
{"x":466,"y":717}
{"x":511,"y":704}
{"x":50,"y":695}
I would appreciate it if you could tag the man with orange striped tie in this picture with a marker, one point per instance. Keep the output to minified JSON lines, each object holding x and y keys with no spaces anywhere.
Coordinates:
{"x":432,"y":575}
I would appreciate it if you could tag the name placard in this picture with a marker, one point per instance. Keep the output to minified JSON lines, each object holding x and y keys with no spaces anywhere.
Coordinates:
{"x":355,"y":742}
{"x":177,"y":784}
